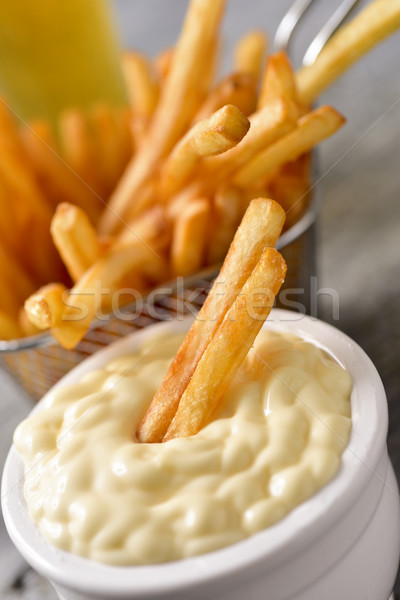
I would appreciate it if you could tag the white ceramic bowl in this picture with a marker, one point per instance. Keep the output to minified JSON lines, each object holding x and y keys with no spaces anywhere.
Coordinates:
{"x":344,"y":542}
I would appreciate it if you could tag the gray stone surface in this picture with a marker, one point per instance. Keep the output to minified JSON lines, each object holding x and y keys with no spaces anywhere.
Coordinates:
{"x":359,"y":226}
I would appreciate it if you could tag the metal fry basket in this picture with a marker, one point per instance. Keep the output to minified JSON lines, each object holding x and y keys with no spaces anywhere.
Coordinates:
{"x":38,"y":362}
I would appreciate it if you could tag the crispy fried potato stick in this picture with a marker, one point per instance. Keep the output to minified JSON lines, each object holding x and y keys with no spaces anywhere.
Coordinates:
{"x":78,"y":148}
{"x":8,"y":129}
{"x":31,"y":215}
{"x":291,"y":187}
{"x":151,"y":227}
{"x":229,"y":346}
{"x":250,"y":52}
{"x":143,"y":90}
{"x":162,"y":63}
{"x":45,"y":307}
{"x":189,"y":193}
{"x":227,"y":213}
{"x":267,"y":125}
{"x":374,"y":23}
{"x":190,"y":237}
{"x":113,"y":142}
{"x":239,"y":89}
{"x":75,"y":238}
{"x":216,"y":134}
{"x":311,"y":129}
{"x":15,"y":282}
{"x":181,"y":94}
{"x":57,"y":179}
{"x":9,"y":328}
{"x":95,"y":290}
{"x":27,"y":328}
{"x":260,"y":227}
{"x":279,"y":80}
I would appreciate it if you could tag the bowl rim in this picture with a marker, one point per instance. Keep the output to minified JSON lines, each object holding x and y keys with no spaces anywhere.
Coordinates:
{"x":299,"y":529}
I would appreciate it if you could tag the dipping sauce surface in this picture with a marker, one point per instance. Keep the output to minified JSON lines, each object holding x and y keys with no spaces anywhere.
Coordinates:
{"x":275,"y":441}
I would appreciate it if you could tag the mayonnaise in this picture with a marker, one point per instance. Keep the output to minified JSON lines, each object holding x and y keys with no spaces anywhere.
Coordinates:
{"x":276,"y":440}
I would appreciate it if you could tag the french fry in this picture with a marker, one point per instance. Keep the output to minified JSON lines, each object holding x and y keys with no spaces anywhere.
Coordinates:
{"x":8,"y":128}
{"x":142,"y":87}
{"x":214,"y":135}
{"x":291,"y":187}
{"x":189,"y":238}
{"x":181,"y":94}
{"x":227,"y":213}
{"x":177,"y":203}
{"x":311,"y":129}
{"x":239,"y":89}
{"x":78,"y":149}
{"x":75,"y":238}
{"x":45,"y":307}
{"x":27,"y":328}
{"x":94,"y":291}
{"x":15,"y":282}
{"x":375,"y":22}
{"x":267,"y":125}
{"x":250,"y":52}
{"x":58,"y":181}
{"x":113,"y":144}
{"x":9,"y":328}
{"x":260,"y":228}
{"x":151,"y":227}
{"x":162,"y":63}
{"x":279,"y":80}
{"x":228,"y":346}
{"x":30,"y":217}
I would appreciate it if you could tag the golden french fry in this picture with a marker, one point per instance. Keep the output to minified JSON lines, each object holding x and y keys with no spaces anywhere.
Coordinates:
{"x":227,"y":213}
{"x":250,"y":52}
{"x":181,"y":94}
{"x":151,"y":227}
{"x":58,"y":181}
{"x":16,"y":284}
{"x":30,"y":219}
{"x":8,"y":128}
{"x":260,"y":228}
{"x":141,"y":84}
{"x":239,"y":89}
{"x":162,"y":63}
{"x":177,"y":203}
{"x":78,"y":149}
{"x":311,"y":129}
{"x":27,"y":328}
{"x":9,"y":328}
{"x":279,"y":80}
{"x":291,"y":187}
{"x":214,"y":135}
{"x":229,"y":346}
{"x":75,"y":238}
{"x":96,"y":289}
{"x":146,"y":198}
{"x":113,"y":144}
{"x":189,"y":237}
{"x":45,"y":307}
{"x":374,"y":23}
{"x":267,"y":125}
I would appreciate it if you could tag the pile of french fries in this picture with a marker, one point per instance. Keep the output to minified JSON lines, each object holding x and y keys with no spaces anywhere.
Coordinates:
{"x":129,"y":198}
{"x":235,"y":309}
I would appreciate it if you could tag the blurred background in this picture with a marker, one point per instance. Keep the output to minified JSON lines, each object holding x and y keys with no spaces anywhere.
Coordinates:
{"x":358,"y":229}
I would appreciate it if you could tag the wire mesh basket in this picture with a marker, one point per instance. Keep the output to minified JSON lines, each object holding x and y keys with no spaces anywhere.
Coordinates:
{"x":36,"y":363}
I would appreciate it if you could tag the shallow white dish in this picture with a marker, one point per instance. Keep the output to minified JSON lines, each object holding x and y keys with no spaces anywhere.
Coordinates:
{"x":344,"y":542}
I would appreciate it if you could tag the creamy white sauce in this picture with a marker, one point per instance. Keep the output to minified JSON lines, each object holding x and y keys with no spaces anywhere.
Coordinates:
{"x":276,"y":439}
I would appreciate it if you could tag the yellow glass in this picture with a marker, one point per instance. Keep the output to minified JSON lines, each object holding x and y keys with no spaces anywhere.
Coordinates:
{"x":57,"y":54}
